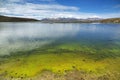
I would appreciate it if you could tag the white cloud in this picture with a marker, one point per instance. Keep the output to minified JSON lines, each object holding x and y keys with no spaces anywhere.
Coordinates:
{"x":110,"y":15}
{"x":32,"y":10}
{"x":4,"y":10}
{"x":14,"y":0}
{"x":38,"y":11}
{"x":117,"y":6}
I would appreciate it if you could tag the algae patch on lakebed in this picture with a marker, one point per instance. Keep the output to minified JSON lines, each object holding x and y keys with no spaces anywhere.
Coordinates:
{"x":60,"y":59}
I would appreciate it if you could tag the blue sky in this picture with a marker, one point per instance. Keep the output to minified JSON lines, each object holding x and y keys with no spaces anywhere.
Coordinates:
{"x":96,"y":6}
{"x":60,"y":8}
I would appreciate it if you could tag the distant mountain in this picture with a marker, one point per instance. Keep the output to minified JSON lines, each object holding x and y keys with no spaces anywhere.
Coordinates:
{"x":69,"y":20}
{"x":75,"y":20}
{"x":15,"y":19}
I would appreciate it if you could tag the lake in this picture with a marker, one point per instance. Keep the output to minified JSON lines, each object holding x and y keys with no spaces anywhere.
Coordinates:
{"x":17,"y":36}
{"x":93,"y":42}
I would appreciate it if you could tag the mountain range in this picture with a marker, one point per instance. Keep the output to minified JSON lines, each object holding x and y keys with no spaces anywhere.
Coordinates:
{"x":60,"y":20}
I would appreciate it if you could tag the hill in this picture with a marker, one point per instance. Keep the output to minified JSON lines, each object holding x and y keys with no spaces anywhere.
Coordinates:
{"x":111,"y":20}
{"x":15,"y":19}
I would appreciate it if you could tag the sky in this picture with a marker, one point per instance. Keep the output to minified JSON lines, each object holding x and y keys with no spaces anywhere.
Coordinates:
{"x":40,"y":9}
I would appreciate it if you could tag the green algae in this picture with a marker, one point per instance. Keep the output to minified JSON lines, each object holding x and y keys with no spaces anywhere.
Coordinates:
{"x":61,"y":58}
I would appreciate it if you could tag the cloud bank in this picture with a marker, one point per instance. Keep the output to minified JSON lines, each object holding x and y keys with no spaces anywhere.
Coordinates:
{"x":49,"y":9}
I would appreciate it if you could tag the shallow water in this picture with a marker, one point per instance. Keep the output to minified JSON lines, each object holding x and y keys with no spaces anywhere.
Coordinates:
{"x":27,"y":36}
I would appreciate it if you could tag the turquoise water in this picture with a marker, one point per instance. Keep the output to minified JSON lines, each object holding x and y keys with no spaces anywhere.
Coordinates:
{"x":100,"y":38}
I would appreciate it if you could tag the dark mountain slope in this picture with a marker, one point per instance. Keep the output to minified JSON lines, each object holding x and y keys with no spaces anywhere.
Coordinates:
{"x":15,"y":19}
